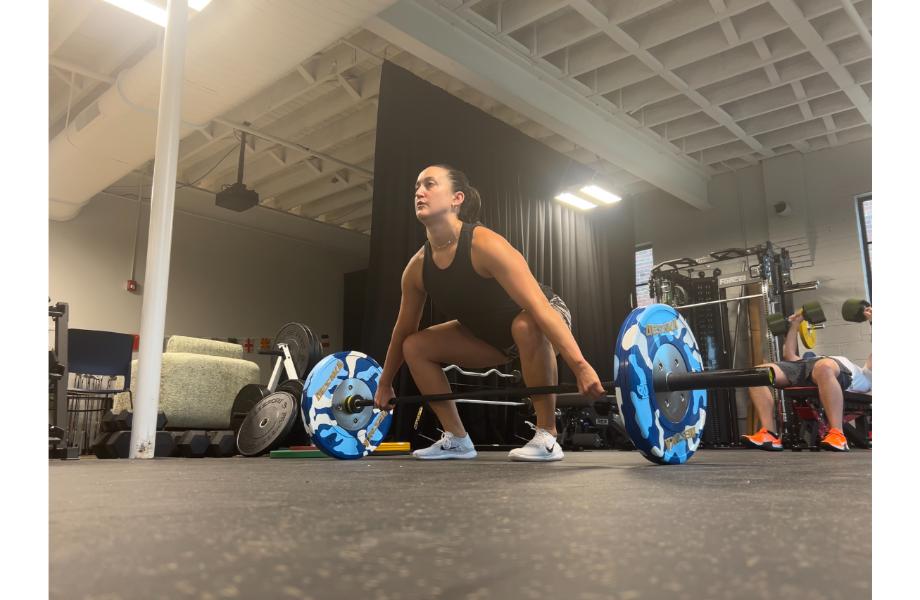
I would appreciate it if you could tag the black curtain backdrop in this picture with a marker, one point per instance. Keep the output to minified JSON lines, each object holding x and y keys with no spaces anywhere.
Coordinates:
{"x":587,"y":258}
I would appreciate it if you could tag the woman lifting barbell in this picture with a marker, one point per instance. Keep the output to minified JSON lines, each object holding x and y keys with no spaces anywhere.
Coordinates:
{"x":500,"y":312}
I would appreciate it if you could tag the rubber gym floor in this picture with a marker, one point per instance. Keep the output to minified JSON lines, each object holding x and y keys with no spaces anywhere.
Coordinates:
{"x":598,"y":525}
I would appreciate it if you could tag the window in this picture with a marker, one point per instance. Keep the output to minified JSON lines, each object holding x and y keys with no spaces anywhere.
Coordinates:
{"x":644,"y":264}
{"x":864,"y":211}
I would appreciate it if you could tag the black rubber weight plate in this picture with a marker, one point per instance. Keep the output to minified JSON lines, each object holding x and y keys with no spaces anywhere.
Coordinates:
{"x":298,"y":339}
{"x":248,"y":396}
{"x":267,"y":425}
{"x":299,"y":435}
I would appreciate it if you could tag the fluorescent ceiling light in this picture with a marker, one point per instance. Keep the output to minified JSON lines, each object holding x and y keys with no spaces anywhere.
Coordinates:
{"x":600,"y":194}
{"x":575,"y":201}
{"x":151,"y":11}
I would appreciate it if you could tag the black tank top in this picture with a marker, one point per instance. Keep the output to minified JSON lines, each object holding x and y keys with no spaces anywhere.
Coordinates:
{"x":480,"y":304}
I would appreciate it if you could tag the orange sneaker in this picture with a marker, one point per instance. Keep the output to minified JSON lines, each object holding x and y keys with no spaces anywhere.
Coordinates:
{"x":763,"y":440}
{"x":835,"y":441}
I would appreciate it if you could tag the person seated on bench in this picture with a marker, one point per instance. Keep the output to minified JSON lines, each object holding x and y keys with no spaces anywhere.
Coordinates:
{"x":831,"y":374}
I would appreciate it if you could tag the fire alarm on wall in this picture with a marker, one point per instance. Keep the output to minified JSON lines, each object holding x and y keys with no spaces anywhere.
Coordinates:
{"x":131,"y":286}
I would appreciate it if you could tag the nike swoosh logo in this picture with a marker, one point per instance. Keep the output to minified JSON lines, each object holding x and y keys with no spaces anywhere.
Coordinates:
{"x":551,"y":448}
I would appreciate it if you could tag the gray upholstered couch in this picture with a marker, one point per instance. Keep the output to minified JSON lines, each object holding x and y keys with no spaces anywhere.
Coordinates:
{"x":198,"y":382}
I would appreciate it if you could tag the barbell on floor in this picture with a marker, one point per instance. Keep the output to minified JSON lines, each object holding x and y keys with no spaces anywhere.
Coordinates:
{"x":666,"y":382}
{"x":658,"y":382}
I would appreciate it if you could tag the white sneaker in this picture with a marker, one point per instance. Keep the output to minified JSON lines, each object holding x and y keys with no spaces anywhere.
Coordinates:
{"x":542,"y":448}
{"x":449,"y":446}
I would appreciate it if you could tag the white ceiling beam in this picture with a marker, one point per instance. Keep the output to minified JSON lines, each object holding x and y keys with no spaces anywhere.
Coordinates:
{"x":618,"y":35}
{"x":358,"y":224}
{"x":764,"y":52}
{"x":305,"y":173}
{"x":295,"y":146}
{"x":621,"y":11}
{"x":80,"y":70}
{"x":681,"y":19}
{"x":714,"y":75}
{"x":560,"y":33}
{"x":321,"y":68}
{"x":335,"y":132}
{"x":65,"y":78}
{"x":857,"y":21}
{"x":800,"y":95}
{"x":802,"y":27}
{"x":831,"y":128}
{"x":331,"y":183}
{"x":351,"y":213}
{"x":675,"y":50}
{"x":341,"y":200}
{"x":677,"y":106}
{"x":725,"y":22}
{"x":226,"y":153}
{"x":307,"y":76}
{"x":349,"y":86}
{"x":64,"y":19}
{"x":812,"y":135}
{"x":280,"y":155}
{"x":516,"y":14}
{"x":294,"y":125}
{"x":763,"y":127}
{"x":478,"y":60}
{"x":593,"y":54}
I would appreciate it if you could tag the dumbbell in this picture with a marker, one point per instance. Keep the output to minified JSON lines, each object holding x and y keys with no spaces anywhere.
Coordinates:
{"x":814,"y":319}
{"x":221,"y":444}
{"x":853,"y":310}
{"x":122,"y":420}
{"x":193,"y":444}
{"x":117,"y":444}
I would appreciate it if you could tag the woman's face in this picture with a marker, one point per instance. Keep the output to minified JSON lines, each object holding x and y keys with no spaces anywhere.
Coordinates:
{"x":434,"y":195}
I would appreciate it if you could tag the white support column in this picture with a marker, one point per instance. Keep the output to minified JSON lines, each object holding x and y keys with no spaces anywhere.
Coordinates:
{"x":162,"y":201}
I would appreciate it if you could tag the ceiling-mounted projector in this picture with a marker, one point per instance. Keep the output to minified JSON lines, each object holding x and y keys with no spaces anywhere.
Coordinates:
{"x":235,"y":196}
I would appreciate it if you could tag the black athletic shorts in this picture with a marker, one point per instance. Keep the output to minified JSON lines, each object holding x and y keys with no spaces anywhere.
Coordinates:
{"x":798,"y":372}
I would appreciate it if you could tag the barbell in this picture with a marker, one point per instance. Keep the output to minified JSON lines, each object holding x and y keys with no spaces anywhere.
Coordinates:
{"x":658,"y":381}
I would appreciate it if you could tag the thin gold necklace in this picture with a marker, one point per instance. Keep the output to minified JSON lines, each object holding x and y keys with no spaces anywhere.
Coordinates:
{"x":444,"y":246}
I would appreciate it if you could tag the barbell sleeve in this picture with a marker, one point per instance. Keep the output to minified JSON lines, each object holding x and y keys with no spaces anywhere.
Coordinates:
{"x":672,"y":382}
{"x":725,"y":378}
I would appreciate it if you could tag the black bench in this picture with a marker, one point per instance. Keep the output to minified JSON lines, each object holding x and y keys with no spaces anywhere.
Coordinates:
{"x":806,"y":422}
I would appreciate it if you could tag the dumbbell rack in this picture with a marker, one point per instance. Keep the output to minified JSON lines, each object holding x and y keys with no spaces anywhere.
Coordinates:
{"x":58,"y":445}
{"x":58,"y":384}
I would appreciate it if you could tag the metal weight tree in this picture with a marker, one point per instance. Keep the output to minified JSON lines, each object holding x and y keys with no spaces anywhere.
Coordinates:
{"x":771,"y":271}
